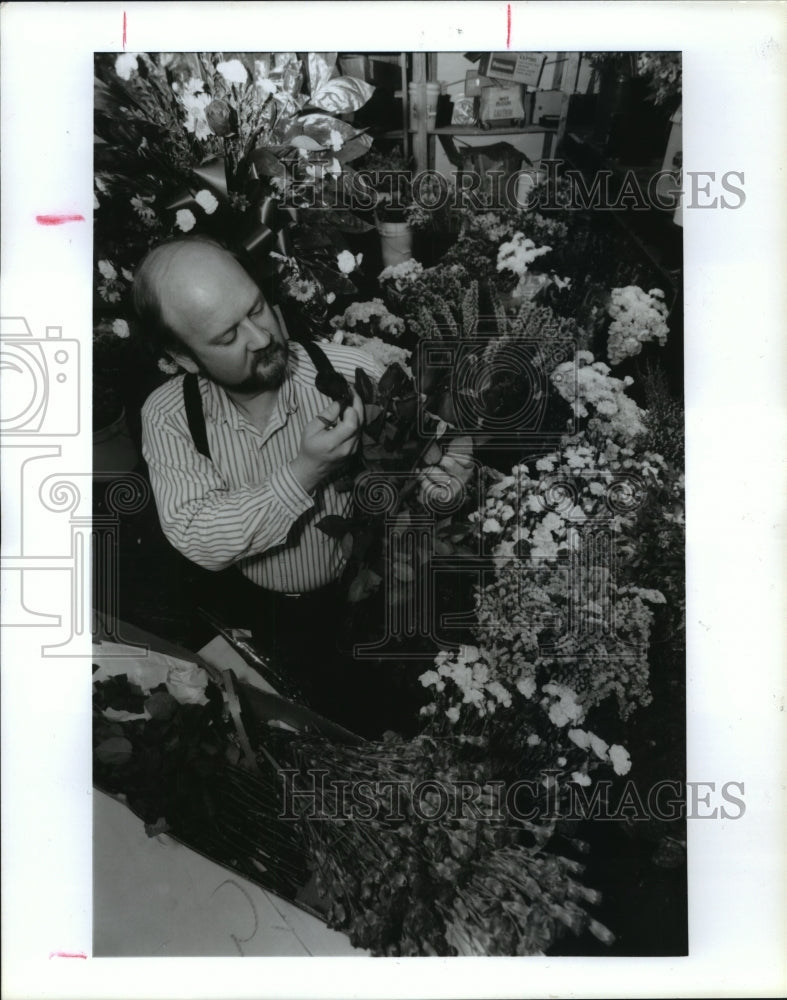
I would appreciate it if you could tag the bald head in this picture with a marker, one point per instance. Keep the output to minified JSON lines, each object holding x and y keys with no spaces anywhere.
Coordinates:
{"x":181,"y":273}
{"x":196,"y":302}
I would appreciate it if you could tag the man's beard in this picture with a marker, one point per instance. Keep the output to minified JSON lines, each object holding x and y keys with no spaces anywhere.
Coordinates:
{"x":270,"y":370}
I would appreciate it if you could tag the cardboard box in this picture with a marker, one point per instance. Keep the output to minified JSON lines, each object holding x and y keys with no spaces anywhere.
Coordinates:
{"x":519,"y":67}
{"x":547,"y":105}
{"x":501,"y":105}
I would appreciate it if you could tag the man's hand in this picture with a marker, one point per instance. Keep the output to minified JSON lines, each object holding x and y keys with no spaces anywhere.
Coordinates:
{"x":327,"y":442}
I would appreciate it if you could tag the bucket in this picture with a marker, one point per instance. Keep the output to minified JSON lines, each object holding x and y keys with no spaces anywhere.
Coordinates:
{"x":113,"y":449}
{"x":396,"y":242}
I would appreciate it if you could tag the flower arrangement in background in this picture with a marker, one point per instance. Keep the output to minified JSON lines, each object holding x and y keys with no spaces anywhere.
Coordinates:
{"x":227,"y":144}
{"x":637,"y":317}
{"x":664,"y":73}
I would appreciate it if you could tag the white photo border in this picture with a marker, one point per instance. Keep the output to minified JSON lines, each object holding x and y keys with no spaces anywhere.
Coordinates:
{"x":735,"y":82}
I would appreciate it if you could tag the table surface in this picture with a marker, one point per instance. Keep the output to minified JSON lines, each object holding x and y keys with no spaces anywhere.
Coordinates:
{"x":154,"y":897}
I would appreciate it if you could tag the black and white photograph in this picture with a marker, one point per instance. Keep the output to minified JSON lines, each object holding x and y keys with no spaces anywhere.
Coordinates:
{"x":391,"y":344}
{"x":378,"y":598}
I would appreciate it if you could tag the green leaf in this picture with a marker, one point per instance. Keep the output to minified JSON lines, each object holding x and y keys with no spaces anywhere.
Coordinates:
{"x":161,"y":705}
{"x":392,"y":378}
{"x":364,"y":584}
{"x":364,"y":386}
{"x":347,"y":545}
{"x":335,"y":526}
{"x":403,"y":572}
{"x":304,"y":142}
{"x":349,"y":223}
{"x":266,"y":164}
{"x":356,"y":147}
{"x":442,"y":547}
{"x":115,"y":751}
{"x":342,"y":95}
{"x":433,"y":454}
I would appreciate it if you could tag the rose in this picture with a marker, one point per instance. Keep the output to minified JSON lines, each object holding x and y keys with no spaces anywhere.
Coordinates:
{"x":221,"y":118}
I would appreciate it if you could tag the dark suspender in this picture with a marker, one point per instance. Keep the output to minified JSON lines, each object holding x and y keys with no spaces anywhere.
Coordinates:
{"x":192,"y":399}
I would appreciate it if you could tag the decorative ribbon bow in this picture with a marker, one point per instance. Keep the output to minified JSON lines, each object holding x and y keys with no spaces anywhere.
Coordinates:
{"x":272,"y":222}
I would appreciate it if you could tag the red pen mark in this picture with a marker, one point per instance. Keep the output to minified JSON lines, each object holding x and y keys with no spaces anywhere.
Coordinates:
{"x":67,"y":954}
{"x":124,"y":30}
{"x":58,"y":220}
{"x":508,"y":27}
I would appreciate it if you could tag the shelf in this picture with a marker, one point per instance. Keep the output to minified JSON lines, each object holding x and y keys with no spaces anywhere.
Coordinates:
{"x":477,"y":130}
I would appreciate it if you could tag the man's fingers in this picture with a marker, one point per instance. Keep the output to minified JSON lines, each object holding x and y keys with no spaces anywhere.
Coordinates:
{"x":330,"y":413}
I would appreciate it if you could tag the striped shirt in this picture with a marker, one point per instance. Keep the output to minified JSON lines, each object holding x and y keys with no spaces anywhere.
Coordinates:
{"x":244,"y":506}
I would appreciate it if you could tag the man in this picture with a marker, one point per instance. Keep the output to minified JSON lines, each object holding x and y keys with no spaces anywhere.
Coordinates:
{"x":275,"y":444}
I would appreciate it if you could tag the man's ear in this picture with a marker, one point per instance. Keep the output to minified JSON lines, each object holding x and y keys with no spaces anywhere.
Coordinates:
{"x":185,"y":361}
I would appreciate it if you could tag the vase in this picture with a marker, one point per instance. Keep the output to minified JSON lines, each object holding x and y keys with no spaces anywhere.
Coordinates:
{"x":396,"y":242}
{"x":113,"y":449}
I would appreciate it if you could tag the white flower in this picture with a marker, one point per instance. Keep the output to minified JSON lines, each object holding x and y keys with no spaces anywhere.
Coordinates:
{"x":330,"y":298}
{"x":206,"y":201}
{"x":492,"y":525}
{"x":561,"y":762}
{"x":516,"y":255}
{"x":107,"y":270}
{"x":581,"y":779}
{"x":186,"y":682}
{"x":144,"y":211}
{"x":120,"y":328}
{"x":526,"y":686}
{"x":167,"y":366}
{"x":533,"y":740}
{"x":619,"y":756}
{"x":429,"y":677}
{"x":346,"y":262}
{"x":125,"y":65}
{"x":195,"y":100}
{"x":452,"y":714}
{"x":185,"y":220}
{"x":233,"y":71}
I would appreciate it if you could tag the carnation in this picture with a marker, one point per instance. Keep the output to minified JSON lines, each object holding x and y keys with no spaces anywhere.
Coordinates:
{"x":120,"y":328}
{"x":233,"y":71}
{"x":185,"y":220}
{"x":126,"y":65}
{"x":206,"y":201}
{"x":619,"y":756}
{"x":347,"y":262}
